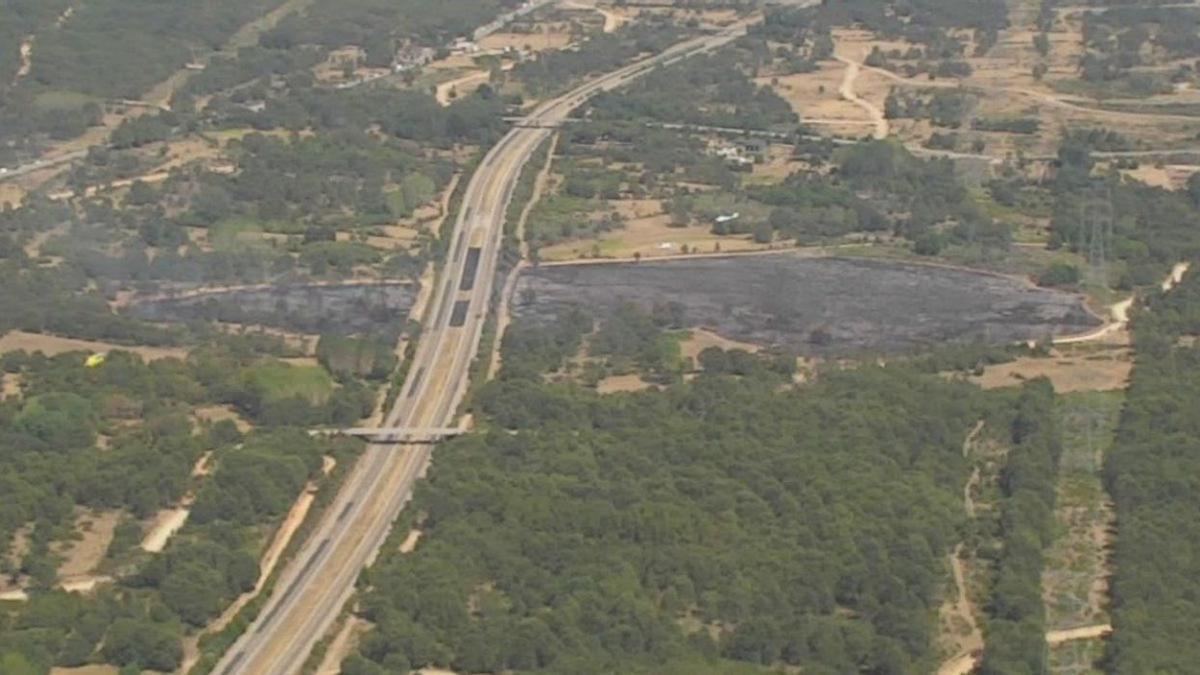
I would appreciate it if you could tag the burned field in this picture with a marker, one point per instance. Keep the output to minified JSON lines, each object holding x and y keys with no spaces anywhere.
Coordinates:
{"x":813,"y":305}
{"x":348,"y":308}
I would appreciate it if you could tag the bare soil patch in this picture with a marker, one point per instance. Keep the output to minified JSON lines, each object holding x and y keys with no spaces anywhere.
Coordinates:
{"x":540,"y":41}
{"x":51,"y":345}
{"x":615,"y":384}
{"x":1169,"y":176}
{"x":11,"y":194}
{"x":82,"y":556}
{"x":702,"y":339}
{"x":410,"y":542}
{"x":10,"y":385}
{"x":343,"y":644}
{"x":166,"y":523}
{"x":464,"y":85}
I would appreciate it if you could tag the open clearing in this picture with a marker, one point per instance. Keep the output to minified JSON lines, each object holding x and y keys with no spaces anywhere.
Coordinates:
{"x":530,"y":42}
{"x":217,"y":413}
{"x":616,"y":384}
{"x":1071,"y":370}
{"x":1075,"y":578}
{"x":815,"y":305}
{"x":701,"y":339}
{"x":51,"y":345}
{"x":82,"y":556}
{"x":648,"y":233}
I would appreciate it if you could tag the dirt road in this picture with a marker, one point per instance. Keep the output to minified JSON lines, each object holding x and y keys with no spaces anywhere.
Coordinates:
{"x":1057,"y":637}
{"x":1060,"y":101}
{"x":881,"y":127}
{"x":971,"y":644}
{"x":449,"y":90}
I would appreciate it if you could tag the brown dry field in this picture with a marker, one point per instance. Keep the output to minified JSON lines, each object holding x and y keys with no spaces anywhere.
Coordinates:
{"x":546,"y":38}
{"x":614,"y":384}
{"x":647,"y":233}
{"x":51,"y":345}
{"x":1169,"y":176}
{"x":1009,"y":90}
{"x":702,"y":339}
{"x":776,"y":166}
{"x":82,"y":556}
{"x":464,"y":85}
{"x":1073,"y":369}
{"x":11,"y":194}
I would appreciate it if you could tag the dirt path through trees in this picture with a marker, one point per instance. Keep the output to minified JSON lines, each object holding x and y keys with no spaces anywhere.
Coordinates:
{"x":853,"y":68}
{"x":968,"y":643}
{"x":1057,"y":637}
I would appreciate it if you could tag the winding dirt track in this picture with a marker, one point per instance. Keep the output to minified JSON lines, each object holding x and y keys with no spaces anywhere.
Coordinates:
{"x":853,"y":68}
{"x":1054,"y":100}
{"x":967,"y":658}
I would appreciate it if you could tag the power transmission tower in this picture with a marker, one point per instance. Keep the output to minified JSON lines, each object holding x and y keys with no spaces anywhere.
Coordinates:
{"x":1096,"y":216}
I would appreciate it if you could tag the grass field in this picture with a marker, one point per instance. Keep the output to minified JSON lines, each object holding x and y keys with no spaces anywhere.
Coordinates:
{"x":1075,"y":579}
{"x":280,"y":380}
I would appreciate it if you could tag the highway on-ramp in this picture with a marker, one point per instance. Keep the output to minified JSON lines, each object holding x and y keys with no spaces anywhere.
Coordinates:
{"x":314,"y":587}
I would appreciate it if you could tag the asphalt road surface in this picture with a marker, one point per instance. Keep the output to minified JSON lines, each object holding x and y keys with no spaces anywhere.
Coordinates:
{"x":314,"y":587}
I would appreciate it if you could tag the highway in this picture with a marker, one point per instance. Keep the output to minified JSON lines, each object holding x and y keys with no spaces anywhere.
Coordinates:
{"x":312,"y":590}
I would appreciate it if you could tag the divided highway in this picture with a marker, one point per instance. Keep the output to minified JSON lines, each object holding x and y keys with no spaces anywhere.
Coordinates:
{"x":312,"y":590}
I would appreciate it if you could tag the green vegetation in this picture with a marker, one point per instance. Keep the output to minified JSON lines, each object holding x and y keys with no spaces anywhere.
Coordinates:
{"x":942,"y":108}
{"x":1151,"y":473}
{"x":1120,"y":41}
{"x":119,"y":437}
{"x":714,"y":90}
{"x":555,"y":71}
{"x":380,"y":26}
{"x":928,"y":23}
{"x":1078,"y":556}
{"x":1144,"y":229}
{"x":645,"y":533}
{"x":1016,"y":627}
{"x":155,"y":39}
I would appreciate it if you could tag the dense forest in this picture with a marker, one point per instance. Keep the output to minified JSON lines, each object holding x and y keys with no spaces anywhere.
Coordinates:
{"x":713,"y":90}
{"x":554,"y":71}
{"x":120,"y":437}
{"x":1151,"y":474}
{"x":157,"y":38}
{"x":681,"y":530}
{"x":379,"y":26}
{"x":1016,"y":627}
